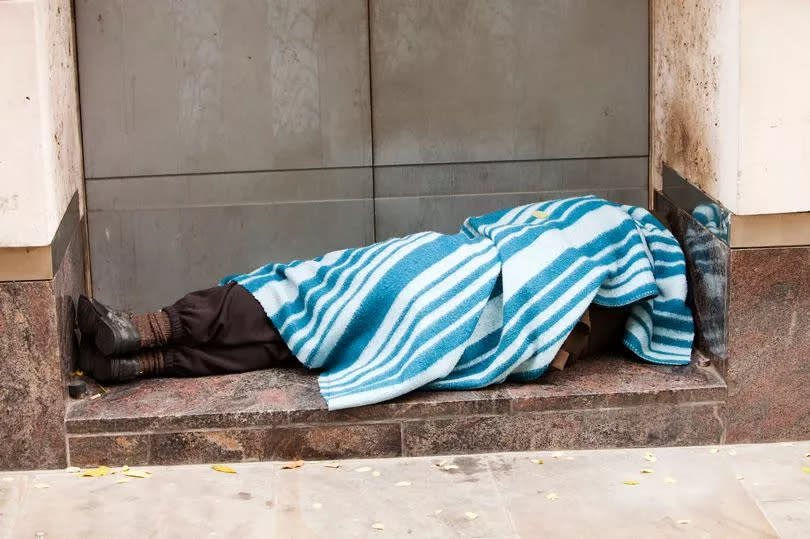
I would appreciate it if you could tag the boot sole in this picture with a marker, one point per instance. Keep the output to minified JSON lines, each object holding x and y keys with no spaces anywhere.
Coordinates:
{"x":108,"y":342}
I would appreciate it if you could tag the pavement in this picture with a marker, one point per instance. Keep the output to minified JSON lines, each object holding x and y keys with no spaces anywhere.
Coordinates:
{"x":739,"y":491}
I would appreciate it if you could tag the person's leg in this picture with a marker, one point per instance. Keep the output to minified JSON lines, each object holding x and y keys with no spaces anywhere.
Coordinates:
{"x":186,"y":361}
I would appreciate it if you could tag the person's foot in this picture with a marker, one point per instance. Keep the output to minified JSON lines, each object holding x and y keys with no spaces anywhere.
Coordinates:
{"x":106,"y":370}
{"x":113,"y":331}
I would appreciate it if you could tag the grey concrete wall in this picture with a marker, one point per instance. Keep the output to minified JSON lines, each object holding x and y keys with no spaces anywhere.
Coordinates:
{"x":222,"y":135}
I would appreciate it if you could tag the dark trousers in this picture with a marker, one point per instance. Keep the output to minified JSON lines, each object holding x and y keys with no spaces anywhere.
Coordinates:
{"x":221,"y":330}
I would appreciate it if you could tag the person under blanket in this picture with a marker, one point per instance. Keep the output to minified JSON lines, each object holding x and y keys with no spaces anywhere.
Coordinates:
{"x":515,"y":293}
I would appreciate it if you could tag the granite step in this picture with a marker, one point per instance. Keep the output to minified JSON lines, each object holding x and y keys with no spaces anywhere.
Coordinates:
{"x":607,"y":401}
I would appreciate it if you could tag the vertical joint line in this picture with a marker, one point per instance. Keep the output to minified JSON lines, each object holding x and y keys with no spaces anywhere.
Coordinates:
{"x":371,"y":127}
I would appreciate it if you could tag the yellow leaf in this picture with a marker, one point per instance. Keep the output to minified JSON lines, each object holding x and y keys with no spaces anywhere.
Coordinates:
{"x":537,"y":461}
{"x":647,"y":470}
{"x":331,"y":465}
{"x":540,"y":214}
{"x":404,"y":484}
{"x":670,"y":480}
{"x":77,"y":373}
{"x":94,"y":397}
{"x":222,"y":468}
{"x":73,"y":469}
{"x":649,"y":457}
{"x":139,"y":474}
{"x":806,"y":469}
{"x":293,"y":465}
{"x":317,"y":505}
{"x":123,"y":480}
{"x":363,"y":469}
{"x":41,"y":485}
{"x":631,"y":482}
{"x":96,"y":472}
{"x":378,"y":526}
{"x":124,"y":468}
{"x":470,"y":515}
{"x":552,"y":496}
{"x":684,"y":521}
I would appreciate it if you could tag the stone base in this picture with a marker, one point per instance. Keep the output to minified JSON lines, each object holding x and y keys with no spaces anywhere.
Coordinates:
{"x":279,"y":414}
{"x":37,"y":349}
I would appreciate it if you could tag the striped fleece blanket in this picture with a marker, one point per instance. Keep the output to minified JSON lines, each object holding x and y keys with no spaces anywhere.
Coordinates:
{"x":492,"y":303}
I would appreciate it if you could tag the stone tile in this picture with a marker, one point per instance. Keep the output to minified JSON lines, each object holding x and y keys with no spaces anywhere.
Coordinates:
{"x":193,"y":247}
{"x":328,"y":442}
{"x":68,"y":284}
{"x":357,"y":500}
{"x":594,"y":502}
{"x":544,"y":79}
{"x":165,"y":192}
{"x":654,"y":425}
{"x":174,"y":502}
{"x":510,"y":177}
{"x":769,"y":343}
{"x":31,"y":390}
{"x":109,"y":450}
{"x":185,"y":87}
{"x":707,"y":259}
{"x":399,"y":216}
{"x":206,"y":446}
{"x":773,"y":472}
{"x":790,"y":518}
{"x":616,"y":381}
{"x":13,"y":489}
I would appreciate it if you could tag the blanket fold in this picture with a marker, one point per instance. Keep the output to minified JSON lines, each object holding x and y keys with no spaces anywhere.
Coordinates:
{"x":492,"y":303}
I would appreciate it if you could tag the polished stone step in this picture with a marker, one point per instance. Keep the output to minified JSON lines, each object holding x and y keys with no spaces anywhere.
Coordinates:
{"x":608,"y":401}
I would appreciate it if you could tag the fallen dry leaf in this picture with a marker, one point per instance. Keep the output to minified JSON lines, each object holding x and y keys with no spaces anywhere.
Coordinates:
{"x":41,"y":485}
{"x":222,"y":468}
{"x":77,"y":373}
{"x":363,"y":469}
{"x":552,"y":496}
{"x":404,"y":484}
{"x":684,"y":521}
{"x":293,"y":465}
{"x":96,"y":472}
{"x":73,"y":469}
{"x":378,"y":526}
{"x":440,"y":463}
{"x":537,"y":461}
{"x":806,"y":469}
{"x":124,"y":468}
{"x":331,"y":465}
{"x":470,"y":515}
{"x":631,"y":482}
{"x":649,"y":457}
{"x":317,"y":505}
{"x":647,"y":470}
{"x":670,"y":480}
{"x":140,"y":474}
{"x":807,"y":455}
{"x":123,"y":480}
{"x":714,"y":450}
{"x":94,"y":397}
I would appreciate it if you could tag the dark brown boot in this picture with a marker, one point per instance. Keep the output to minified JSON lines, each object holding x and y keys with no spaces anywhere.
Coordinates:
{"x":108,"y":370}
{"x":113,"y":331}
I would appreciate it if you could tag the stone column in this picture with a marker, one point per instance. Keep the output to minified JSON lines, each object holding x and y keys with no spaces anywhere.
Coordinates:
{"x":41,"y":228}
{"x":729,"y":166}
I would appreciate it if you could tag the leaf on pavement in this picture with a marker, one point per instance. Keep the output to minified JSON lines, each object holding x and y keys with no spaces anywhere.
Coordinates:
{"x":123,"y":480}
{"x":293,"y":465}
{"x":73,"y":469}
{"x":404,"y":484}
{"x":139,"y":474}
{"x":537,"y":461}
{"x":684,"y":521}
{"x":331,"y":465}
{"x":222,"y":468}
{"x":649,"y":457}
{"x":378,"y":526}
{"x":470,"y":515}
{"x":552,"y":496}
{"x":631,"y":482}
{"x":647,"y":470}
{"x":96,"y":472}
{"x":806,"y":469}
{"x":714,"y":450}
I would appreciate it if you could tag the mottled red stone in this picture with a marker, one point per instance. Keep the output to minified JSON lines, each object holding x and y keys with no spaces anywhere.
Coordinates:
{"x":769,"y":345}
{"x":118,"y":450}
{"x":636,"y":426}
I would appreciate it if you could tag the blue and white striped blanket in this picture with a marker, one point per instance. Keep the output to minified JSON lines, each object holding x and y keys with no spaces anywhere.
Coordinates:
{"x":492,"y":303}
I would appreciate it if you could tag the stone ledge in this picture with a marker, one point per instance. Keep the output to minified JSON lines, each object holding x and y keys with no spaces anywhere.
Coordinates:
{"x":608,"y":401}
